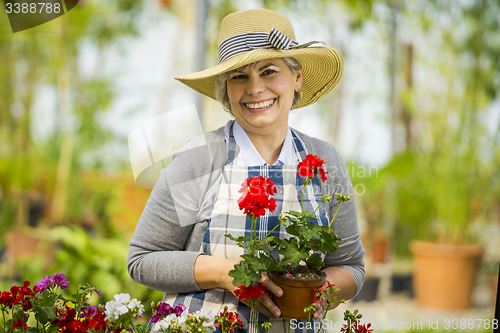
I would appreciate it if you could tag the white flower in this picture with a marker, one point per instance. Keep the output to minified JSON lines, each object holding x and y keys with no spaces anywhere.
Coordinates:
{"x":115,"y":309}
{"x":161,"y":325}
{"x":170,"y":317}
{"x":205,"y":314}
{"x":122,"y":298}
{"x":135,"y":306}
{"x":185,"y":313}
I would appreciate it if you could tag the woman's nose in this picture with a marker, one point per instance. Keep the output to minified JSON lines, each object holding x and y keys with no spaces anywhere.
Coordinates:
{"x":255,"y":86}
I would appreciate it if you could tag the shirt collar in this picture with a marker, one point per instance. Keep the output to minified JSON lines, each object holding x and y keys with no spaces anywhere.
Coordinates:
{"x":249,"y":156}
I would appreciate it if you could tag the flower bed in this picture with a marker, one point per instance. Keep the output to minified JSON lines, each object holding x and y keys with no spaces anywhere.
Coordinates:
{"x":43,"y":308}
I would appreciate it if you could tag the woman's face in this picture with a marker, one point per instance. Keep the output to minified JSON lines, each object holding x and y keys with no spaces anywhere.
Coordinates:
{"x":261,"y":95}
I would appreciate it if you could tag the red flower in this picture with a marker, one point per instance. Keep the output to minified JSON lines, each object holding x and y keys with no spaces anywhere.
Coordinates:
{"x":18,"y":295}
{"x":364,"y":329}
{"x":250,"y":292}
{"x":310,"y":166}
{"x":228,"y":321}
{"x":7,"y":299}
{"x":20,"y":323}
{"x":255,"y":198}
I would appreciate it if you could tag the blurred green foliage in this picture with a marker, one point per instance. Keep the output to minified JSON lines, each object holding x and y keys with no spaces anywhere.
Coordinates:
{"x":98,"y":261}
{"x":46,"y":176}
{"x":444,"y":184}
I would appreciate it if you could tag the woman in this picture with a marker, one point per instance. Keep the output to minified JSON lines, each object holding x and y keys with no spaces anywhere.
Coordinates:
{"x":179,"y":245}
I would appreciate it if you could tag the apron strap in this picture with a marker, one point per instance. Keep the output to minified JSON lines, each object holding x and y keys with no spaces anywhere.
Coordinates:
{"x":231,"y":147}
{"x":297,"y":145}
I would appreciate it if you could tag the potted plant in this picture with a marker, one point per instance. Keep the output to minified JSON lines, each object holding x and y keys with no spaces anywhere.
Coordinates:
{"x":298,"y":272}
{"x":438,"y":202}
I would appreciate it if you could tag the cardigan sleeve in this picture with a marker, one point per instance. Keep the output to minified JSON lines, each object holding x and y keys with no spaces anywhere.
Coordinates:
{"x":350,"y":253}
{"x":168,"y":237}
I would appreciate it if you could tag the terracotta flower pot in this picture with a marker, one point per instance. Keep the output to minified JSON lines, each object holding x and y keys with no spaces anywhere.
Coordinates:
{"x":297,"y":295}
{"x":444,"y":274}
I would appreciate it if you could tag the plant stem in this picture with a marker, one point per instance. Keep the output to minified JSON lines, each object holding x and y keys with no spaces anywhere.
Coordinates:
{"x":255,"y":319}
{"x":320,"y":201}
{"x":270,"y":232}
{"x":302,"y":200}
{"x":323,"y":320}
{"x":254,"y":231}
{"x":275,"y":261}
{"x":330,"y":225}
{"x":4,"y":321}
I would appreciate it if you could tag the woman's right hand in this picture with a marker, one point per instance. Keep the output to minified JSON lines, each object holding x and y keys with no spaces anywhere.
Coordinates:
{"x":213,"y":272}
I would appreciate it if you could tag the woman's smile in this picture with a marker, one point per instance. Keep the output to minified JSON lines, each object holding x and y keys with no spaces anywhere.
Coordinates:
{"x":260,"y":106}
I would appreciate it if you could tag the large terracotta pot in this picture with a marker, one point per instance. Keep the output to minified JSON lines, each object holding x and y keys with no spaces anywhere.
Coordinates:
{"x":297,"y":295}
{"x":443,"y":274}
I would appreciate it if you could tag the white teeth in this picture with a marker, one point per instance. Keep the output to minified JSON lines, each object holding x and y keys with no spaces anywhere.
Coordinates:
{"x":260,"y":105}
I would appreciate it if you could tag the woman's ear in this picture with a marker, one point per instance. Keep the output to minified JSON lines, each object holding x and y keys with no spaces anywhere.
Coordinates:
{"x":298,"y":81}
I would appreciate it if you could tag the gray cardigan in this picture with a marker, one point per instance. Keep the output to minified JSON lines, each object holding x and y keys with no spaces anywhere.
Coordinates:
{"x":169,"y":234}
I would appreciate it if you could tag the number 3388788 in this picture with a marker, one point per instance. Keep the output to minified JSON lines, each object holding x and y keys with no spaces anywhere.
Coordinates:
{"x":33,"y":8}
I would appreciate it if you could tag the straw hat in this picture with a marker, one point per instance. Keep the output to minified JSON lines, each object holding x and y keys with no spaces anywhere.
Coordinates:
{"x":257,"y":34}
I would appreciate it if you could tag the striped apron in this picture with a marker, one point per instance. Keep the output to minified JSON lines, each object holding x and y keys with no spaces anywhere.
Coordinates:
{"x":227,"y":218}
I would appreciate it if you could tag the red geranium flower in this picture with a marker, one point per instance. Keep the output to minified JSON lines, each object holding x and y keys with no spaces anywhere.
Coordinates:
{"x":365,"y":329}
{"x":228,"y":321}
{"x":250,"y":292}
{"x":255,"y":198}
{"x":310,"y":166}
{"x":20,"y":323}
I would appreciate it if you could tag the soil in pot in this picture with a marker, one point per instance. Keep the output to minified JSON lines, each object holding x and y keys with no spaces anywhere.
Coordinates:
{"x":297,"y":291}
{"x":303,"y":273}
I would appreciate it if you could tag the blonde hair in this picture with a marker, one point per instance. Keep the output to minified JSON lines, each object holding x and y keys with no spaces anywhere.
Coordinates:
{"x":221,"y":83}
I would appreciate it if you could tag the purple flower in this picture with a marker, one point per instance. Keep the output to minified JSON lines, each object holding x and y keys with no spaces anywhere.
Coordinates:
{"x":51,"y":281}
{"x":163,"y":309}
{"x":97,"y":292}
{"x":155,"y":318}
{"x":179,"y":309}
{"x":44,"y":283}
{"x":60,"y":279}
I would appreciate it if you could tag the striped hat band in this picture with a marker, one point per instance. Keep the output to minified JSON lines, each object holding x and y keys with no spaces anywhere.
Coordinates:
{"x":242,"y":43}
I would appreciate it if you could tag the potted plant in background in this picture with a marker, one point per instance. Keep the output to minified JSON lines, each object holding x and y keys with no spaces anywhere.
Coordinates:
{"x":440,"y":203}
{"x":297,"y":273}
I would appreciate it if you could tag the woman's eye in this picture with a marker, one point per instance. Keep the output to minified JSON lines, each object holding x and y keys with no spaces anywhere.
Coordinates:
{"x":238,"y":77}
{"x":268,"y":72}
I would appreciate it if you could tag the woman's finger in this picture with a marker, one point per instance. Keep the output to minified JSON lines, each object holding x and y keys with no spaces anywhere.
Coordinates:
{"x":320,"y":307}
{"x":272,"y":287}
{"x":271,"y":307}
{"x":260,"y":308}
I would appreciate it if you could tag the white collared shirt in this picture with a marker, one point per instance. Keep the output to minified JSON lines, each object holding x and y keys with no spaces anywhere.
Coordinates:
{"x":249,"y":156}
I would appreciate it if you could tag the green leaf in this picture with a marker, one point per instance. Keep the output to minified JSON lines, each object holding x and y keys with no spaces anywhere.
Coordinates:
{"x":239,"y":239}
{"x":244,"y":275}
{"x":329,"y":241}
{"x":312,"y":230}
{"x":315,"y":261}
{"x":291,"y":252}
{"x":294,"y":230}
{"x":45,"y":314}
{"x":294,"y":213}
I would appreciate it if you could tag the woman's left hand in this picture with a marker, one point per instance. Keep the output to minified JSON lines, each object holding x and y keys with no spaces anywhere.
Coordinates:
{"x":321,"y":303}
